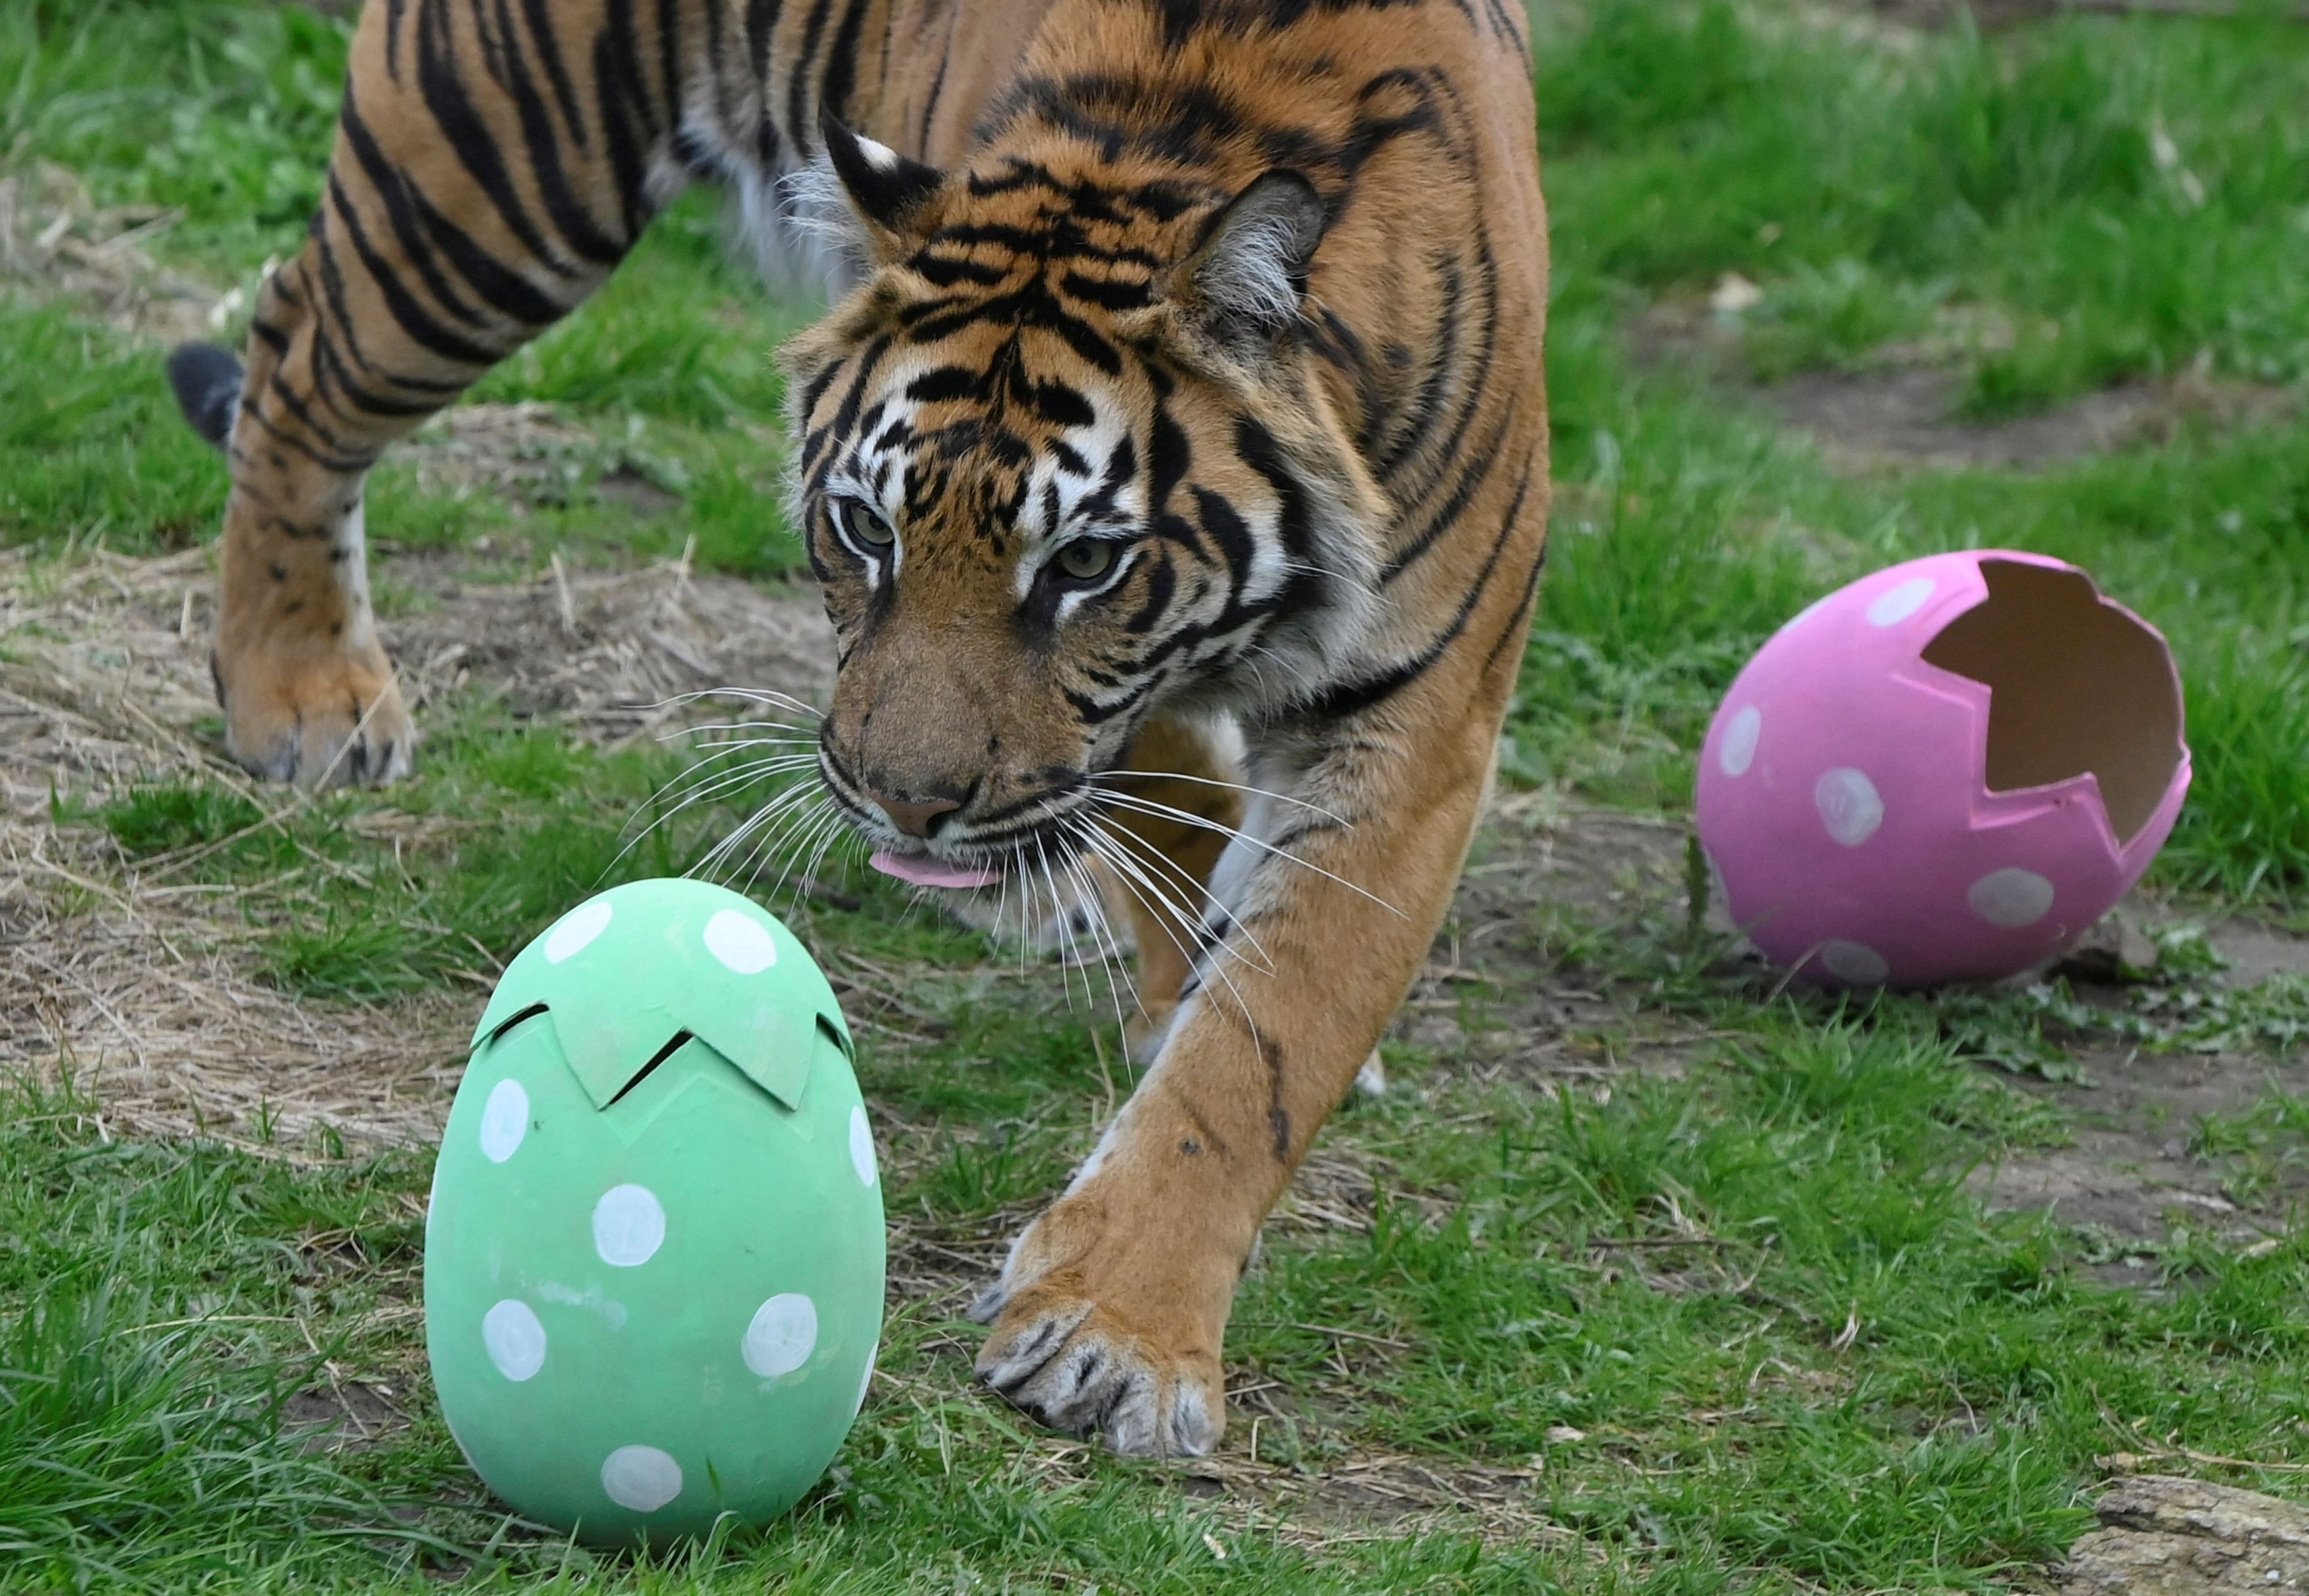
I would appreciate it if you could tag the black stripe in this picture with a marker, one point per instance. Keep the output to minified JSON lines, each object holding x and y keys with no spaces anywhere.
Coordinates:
{"x":1278,"y":1118}
{"x":342,"y":464}
{"x":329,"y":370}
{"x":1446,"y":515}
{"x":629,"y":123}
{"x":294,"y":403}
{"x":761,"y":23}
{"x":1509,"y":633}
{"x":669,"y":58}
{"x":717,"y":67}
{"x":563,"y":204}
{"x":841,"y":63}
{"x":506,"y":290}
{"x":540,"y":16}
{"x":393,"y":190}
{"x":412,"y":318}
{"x":938,"y":86}
{"x":465,"y":131}
{"x":798,"y":129}
{"x":1353,"y":697}
{"x":394,"y":10}
{"x":1109,"y":293}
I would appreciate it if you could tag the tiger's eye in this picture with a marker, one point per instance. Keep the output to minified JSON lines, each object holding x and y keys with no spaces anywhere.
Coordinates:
{"x":866,"y":525}
{"x":1086,"y":561}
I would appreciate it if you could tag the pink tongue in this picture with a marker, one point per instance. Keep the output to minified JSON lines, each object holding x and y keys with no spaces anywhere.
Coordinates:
{"x":930,"y":872}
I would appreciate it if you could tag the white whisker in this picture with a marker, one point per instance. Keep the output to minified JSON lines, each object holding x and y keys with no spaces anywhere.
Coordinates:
{"x":1195,"y":961}
{"x":769,"y":695}
{"x":1232,"y":786}
{"x":1149,"y":806}
{"x":1177,"y":891}
{"x":1103,"y":935}
{"x":714,"y":785}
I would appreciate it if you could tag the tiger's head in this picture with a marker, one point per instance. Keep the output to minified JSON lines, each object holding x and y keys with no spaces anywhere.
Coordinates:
{"x":1065,"y":456}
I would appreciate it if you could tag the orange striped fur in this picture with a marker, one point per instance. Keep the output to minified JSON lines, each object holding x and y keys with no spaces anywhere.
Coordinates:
{"x":1174,"y":466}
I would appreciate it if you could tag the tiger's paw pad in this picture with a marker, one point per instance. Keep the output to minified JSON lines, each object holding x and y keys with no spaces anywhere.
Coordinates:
{"x":334,"y":722}
{"x":1068,"y":1363}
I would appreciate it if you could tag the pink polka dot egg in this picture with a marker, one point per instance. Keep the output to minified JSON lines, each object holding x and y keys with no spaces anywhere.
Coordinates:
{"x":1945,"y":771}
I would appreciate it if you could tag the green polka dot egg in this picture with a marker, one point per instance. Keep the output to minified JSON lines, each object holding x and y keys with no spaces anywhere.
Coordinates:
{"x":654,"y":1257}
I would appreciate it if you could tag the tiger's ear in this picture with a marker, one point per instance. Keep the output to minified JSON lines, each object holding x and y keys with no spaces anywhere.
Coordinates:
{"x":893,"y":197}
{"x":1245,"y":279}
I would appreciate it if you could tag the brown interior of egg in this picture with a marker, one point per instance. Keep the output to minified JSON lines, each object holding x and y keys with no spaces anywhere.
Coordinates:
{"x":2073,"y":685}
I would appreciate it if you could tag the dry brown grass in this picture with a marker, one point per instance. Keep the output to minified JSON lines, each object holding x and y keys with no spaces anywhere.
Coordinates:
{"x":58,"y":242}
{"x":140,"y":981}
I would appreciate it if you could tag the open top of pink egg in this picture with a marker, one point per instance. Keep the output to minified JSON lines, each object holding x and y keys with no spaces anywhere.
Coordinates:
{"x":1948,"y":769}
{"x":2079,"y":686}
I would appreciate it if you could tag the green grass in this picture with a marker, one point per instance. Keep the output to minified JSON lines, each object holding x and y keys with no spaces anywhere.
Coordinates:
{"x":2129,"y":193}
{"x":1748,"y":1326}
{"x":1750,"y":1320}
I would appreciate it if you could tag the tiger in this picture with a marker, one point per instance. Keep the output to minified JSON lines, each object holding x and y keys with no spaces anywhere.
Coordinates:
{"x":1172,"y":460}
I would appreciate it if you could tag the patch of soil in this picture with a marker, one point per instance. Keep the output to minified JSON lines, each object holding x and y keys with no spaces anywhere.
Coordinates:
{"x":1910,"y":417}
{"x":2132,"y":1171}
{"x":345,"y":1413}
{"x":1499,"y":996}
{"x":2254,"y":952}
{"x":527,"y":455}
{"x":2135,"y":1170}
{"x":1392,"y":1493}
{"x":517,"y":454}
{"x":1904,"y":411}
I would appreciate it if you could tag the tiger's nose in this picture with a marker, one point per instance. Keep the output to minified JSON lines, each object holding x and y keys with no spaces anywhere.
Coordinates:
{"x":915,"y":819}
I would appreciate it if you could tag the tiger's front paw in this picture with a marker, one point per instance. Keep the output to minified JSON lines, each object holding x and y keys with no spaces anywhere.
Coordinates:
{"x":332,"y":717}
{"x":1110,"y":1329}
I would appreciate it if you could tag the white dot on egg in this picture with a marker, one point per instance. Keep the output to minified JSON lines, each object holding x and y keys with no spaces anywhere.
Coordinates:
{"x":1737,"y":751}
{"x":1856,"y":962}
{"x":641,"y":1477}
{"x":628,"y":1226}
{"x":1896,"y":604}
{"x":1849,"y":805}
{"x":782,"y":1335}
{"x":740,"y":942}
{"x":2010,"y":898}
{"x":576,"y":931}
{"x":505,"y":1121}
{"x":515,"y":1338}
{"x":861,"y":1147}
{"x":865,"y":1385}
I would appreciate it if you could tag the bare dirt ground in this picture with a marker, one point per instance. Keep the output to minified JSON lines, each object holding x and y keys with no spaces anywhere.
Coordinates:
{"x":1902,"y":409}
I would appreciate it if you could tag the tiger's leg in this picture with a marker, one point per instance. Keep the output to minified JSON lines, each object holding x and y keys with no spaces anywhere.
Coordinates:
{"x":1112,"y":1309}
{"x":466,"y":210}
{"x":1159,"y":864}
{"x":1162,"y":883}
